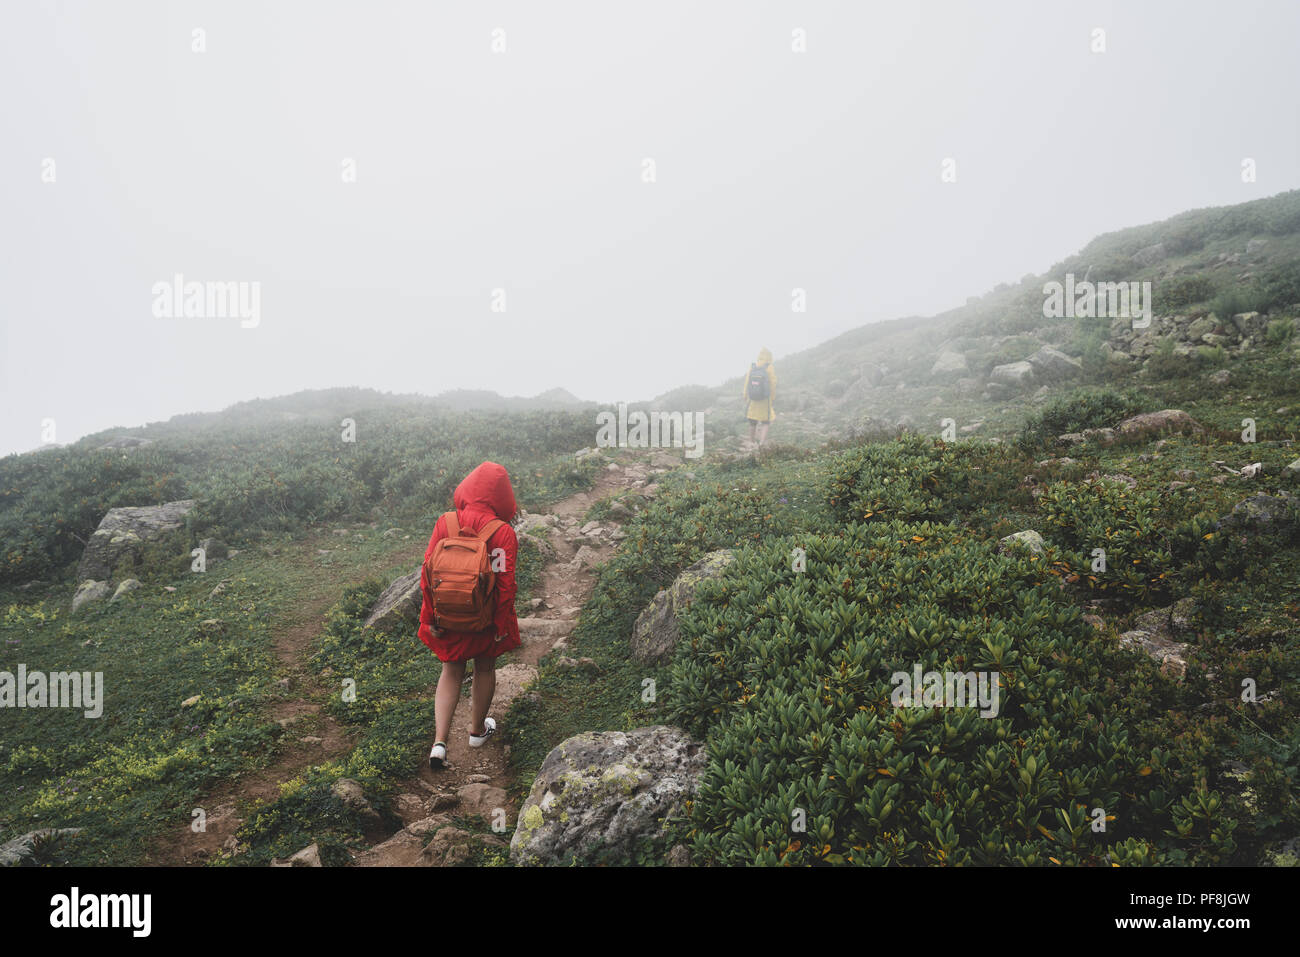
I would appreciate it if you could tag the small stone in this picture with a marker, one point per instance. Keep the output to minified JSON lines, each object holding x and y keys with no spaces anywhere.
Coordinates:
{"x":1029,"y":539}
{"x":309,"y":856}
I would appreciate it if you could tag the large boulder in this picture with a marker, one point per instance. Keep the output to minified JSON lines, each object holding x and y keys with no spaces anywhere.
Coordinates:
{"x":124,"y":531}
{"x":1051,"y":365}
{"x":949,"y":364}
{"x":1166,"y":420}
{"x":1263,"y":513}
{"x":399,"y":604}
{"x":655,"y":633}
{"x":1200,"y":327}
{"x":1018,"y":374}
{"x":1250,"y":324}
{"x":603,"y":797}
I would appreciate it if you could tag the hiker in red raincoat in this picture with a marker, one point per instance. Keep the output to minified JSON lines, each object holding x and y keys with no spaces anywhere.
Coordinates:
{"x":484,"y":496}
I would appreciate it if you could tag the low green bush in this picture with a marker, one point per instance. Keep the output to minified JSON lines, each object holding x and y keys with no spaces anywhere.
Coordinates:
{"x":1085,"y":408}
{"x":788,"y":676}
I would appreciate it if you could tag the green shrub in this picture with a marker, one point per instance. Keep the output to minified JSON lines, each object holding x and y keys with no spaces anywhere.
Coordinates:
{"x":788,"y":675}
{"x":921,"y":479}
{"x":1166,"y":363}
{"x":1182,"y":292}
{"x":1211,"y":355}
{"x":258,"y":475}
{"x":1086,"y":408}
{"x":1155,"y":546}
{"x":1231,"y":301}
{"x":1280,"y":332}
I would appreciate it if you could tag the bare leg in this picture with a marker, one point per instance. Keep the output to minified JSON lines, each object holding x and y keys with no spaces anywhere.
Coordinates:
{"x":762,"y":432}
{"x":752,"y":426}
{"x":481,"y":692}
{"x":448,"y":693}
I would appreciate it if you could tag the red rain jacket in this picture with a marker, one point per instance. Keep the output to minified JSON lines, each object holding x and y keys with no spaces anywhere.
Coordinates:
{"x":485,"y":494}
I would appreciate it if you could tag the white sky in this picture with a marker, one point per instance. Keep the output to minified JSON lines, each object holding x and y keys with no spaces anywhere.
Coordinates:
{"x":522,"y":170}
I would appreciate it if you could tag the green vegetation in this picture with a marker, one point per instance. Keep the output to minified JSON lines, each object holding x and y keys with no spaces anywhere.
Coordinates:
{"x":785,"y":673}
{"x":257,"y":472}
{"x":138,"y":771}
{"x":1079,"y":409}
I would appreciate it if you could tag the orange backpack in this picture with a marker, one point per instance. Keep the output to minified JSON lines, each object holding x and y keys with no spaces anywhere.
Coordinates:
{"x":458,"y":574}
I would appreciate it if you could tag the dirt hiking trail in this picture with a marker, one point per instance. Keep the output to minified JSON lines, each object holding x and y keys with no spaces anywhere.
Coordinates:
{"x":475,"y":781}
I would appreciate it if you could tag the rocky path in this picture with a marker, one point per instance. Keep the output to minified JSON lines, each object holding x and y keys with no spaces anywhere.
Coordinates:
{"x":474,"y":781}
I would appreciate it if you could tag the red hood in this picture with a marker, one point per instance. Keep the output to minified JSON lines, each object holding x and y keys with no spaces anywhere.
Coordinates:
{"x":487,"y":487}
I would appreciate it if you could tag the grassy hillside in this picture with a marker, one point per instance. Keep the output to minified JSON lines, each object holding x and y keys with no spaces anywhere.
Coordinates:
{"x":783,"y":671}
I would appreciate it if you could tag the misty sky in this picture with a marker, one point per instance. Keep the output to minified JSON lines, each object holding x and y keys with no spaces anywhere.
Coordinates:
{"x":523,"y":170}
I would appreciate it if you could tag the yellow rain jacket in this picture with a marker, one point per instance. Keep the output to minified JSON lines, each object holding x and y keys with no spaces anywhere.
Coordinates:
{"x":761,"y":410}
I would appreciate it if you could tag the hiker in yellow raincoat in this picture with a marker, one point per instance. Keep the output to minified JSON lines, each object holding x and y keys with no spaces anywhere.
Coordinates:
{"x":760,"y":384}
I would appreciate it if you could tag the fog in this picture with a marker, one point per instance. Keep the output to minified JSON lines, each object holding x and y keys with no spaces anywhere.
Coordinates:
{"x":388,"y":173}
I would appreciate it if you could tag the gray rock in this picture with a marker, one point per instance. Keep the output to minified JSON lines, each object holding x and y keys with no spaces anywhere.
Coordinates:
{"x":1220,"y":378}
{"x":1029,"y":539}
{"x":949,"y":364}
{"x":123,"y":531}
{"x":1018,"y":374}
{"x":309,"y":856}
{"x":25,"y":848}
{"x":481,"y":799}
{"x":541,"y":542}
{"x":89,"y":591}
{"x":1171,"y":655}
{"x":533,"y":524}
{"x":1156,"y":632}
{"x":449,"y":847}
{"x":1292,"y":471}
{"x":1097,"y":436}
{"x":603,"y":796}
{"x":565,"y":663}
{"x":1249,"y":323}
{"x":655,"y":633}
{"x":1166,"y":420}
{"x":124,"y":588}
{"x":679,"y":856}
{"x":399,"y":604}
{"x":1262,"y":513}
{"x":354,"y":798}
{"x":1051,"y":365}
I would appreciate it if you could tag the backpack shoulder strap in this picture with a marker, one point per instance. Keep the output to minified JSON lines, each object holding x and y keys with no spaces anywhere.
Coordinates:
{"x":486,"y":531}
{"x":453,"y":525}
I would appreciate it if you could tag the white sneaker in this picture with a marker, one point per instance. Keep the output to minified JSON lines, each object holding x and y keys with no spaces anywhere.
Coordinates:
{"x":489,"y":729}
{"x":438,"y":757}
